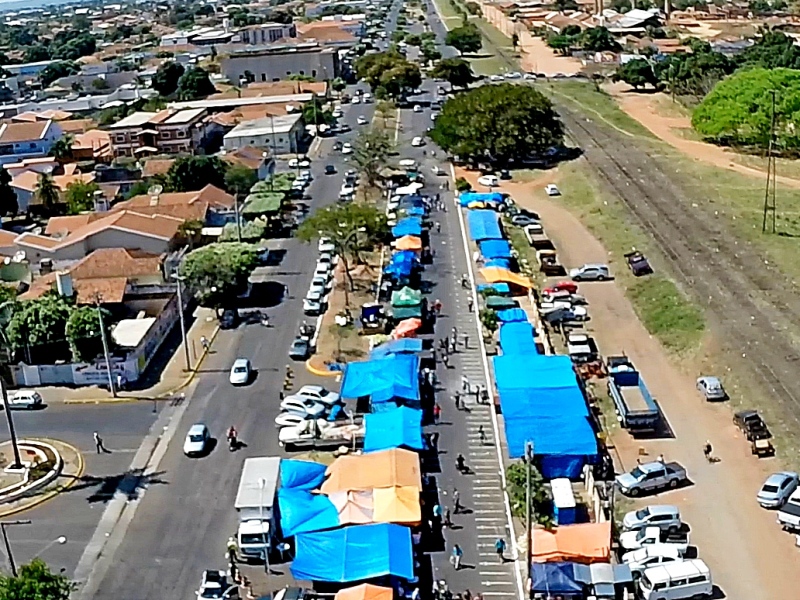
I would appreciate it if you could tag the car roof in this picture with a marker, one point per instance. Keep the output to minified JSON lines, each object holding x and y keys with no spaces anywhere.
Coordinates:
{"x":595,"y":266}
{"x":311,"y":388}
{"x":711,"y":379}
{"x":678,"y":569}
{"x":780,"y":476}
{"x":197,"y":428}
{"x":662,"y":509}
{"x":241,"y":362}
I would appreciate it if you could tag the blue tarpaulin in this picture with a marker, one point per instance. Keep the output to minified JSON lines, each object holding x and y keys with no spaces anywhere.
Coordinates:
{"x":483,"y":225}
{"x":517,"y":338}
{"x":495,"y":249}
{"x":354,"y":554}
{"x":383,"y":379}
{"x":467,"y":198}
{"x":398,"y":428}
{"x":301,"y":512}
{"x":414,"y":211}
{"x":564,"y":444}
{"x":401,"y":264}
{"x":301,"y":474}
{"x":501,"y":288}
{"x":512,"y":315}
{"x":503,"y":263}
{"x":401,"y":346}
{"x":555,"y":578}
{"x":553,"y":402}
{"x":407,"y":226}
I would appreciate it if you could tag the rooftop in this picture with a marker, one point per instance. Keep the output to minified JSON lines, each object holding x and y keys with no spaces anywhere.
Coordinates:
{"x":168,"y":116}
{"x":267,"y":125}
{"x":23,"y":132}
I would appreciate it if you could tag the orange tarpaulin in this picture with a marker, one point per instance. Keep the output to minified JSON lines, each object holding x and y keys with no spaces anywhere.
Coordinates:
{"x":355,"y":508}
{"x":388,"y":468}
{"x":399,"y":504}
{"x":500,"y":275}
{"x":406,"y":328}
{"x":365,"y":591}
{"x":408,"y":242}
{"x":585,"y":543}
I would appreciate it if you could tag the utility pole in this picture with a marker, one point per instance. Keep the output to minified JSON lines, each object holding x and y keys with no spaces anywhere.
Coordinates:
{"x":179,"y":279}
{"x":111,"y":386}
{"x":769,"y":192}
{"x":3,"y":525}
{"x":528,"y":512}
{"x":11,"y":431}
{"x":238,"y":218}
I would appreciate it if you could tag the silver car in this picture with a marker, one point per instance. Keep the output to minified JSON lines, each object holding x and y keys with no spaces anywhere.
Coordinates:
{"x":711,"y":388}
{"x":594,"y":272}
{"x":777,"y":489}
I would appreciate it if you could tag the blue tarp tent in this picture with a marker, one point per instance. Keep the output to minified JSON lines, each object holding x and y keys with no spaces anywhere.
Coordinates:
{"x":401,"y":346}
{"x":517,"y":338}
{"x":562,"y":444}
{"x":483,"y":225}
{"x":467,"y":198}
{"x":301,"y":474}
{"x":495,"y":249}
{"x":354,"y":554}
{"x":383,"y":379}
{"x":301,"y":512}
{"x":498,"y":262}
{"x":553,"y":402}
{"x":398,"y":428}
{"x":512,"y":315}
{"x":555,"y":578}
{"x":414,"y":211}
{"x":407,"y":226}
{"x":500,"y":288}
{"x":401,"y":264}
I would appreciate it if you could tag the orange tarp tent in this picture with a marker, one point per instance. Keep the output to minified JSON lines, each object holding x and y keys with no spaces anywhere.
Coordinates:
{"x":501,"y":275}
{"x":385,"y":469}
{"x":365,"y":591}
{"x":406,"y":328}
{"x":408,"y":242}
{"x":355,"y":508}
{"x":399,"y":504}
{"x":585,"y":543}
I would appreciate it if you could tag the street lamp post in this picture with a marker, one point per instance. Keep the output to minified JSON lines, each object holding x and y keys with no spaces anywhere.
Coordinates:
{"x":3,"y":525}
{"x":111,"y":386}
{"x":180,"y":279}
{"x":11,"y":431}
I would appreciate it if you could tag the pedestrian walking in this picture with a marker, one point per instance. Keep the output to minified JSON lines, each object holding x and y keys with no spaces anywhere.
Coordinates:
{"x":456,"y":556}
{"x":482,"y":435}
{"x":454,"y":333}
{"x":484,"y":395}
{"x":464,"y":383}
{"x":438,"y":227}
{"x":446,"y":361}
{"x":456,"y":501}
{"x":204,"y":343}
{"x":500,"y":548}
{"x":460,"y":463}
{"x":467,"y":595}
{"x":435,"y":440}
{"x":453,"y":346}
{"x":98,"y":443}
{"x":466,"y":340}
{"x":447,"y":522}
{"x":437,"y":413}
{"x":470,"y":305}
{"x":232,"y":550}
{"x":457,"y":399}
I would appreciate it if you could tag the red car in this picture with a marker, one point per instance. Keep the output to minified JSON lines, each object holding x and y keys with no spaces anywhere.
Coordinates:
{"x":562,"y":286}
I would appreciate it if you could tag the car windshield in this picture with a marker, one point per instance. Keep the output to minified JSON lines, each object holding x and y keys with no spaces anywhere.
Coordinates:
{"x":637,"y":473}
{"x":643,"y":513}
{"x":240,"y":369}
{"x":769,"y":489}
{"x":251,"y":538}
{"x":641,"y":534}
{"x":196,"y":437}
{"x":211,"y":592}
{"x":321,"y":393}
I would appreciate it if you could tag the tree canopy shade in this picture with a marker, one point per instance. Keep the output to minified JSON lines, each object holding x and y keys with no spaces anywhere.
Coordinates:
{"x":195,"y":84}
{"x":47,"y":192}
{"x":637,"y":73}
{"x":190,"y":173}
{"x":37,"y":327}
{"x":165,"y":81}
{"x":455,"y":71}
{"x":773,"y":50}
{"x":388,"y":74}
{"x":218,"y":273}
{"x":465,"y":39}
{"x":80,"y":196}
{"x":370,"y":153}
{"x":738,"y":111}
{"x":499,"y":124}
{"x":35,"y":581}
{"x":239,"y":179}
{"x":83,"y":332}
{"x":695,"y":73}
{"x":56,"y":70}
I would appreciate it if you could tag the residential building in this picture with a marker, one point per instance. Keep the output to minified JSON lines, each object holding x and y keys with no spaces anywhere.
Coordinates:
{"x":280,"y":134}
{"x":233,"y":102}
{"x":211,"y":205}
{"x":266,"y":33}
{"x":260,"y":161}
{"x":331,"y":33}
{"x":156,"y":167}
{"x":280,"y":61}
{"x":26,"y":181}
{"x":94,"y":145}
{"x":28,"y":69}
{"x":19,"y":141}
{"x":169,"y":131}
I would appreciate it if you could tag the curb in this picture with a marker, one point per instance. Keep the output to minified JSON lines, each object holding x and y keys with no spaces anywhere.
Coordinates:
{"x":53,"y":493}
{"x":319,"y":372}
{"x":163,"y":396}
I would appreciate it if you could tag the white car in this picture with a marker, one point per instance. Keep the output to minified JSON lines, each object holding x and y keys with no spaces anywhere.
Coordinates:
{"x":325,"y":245}
{"x":433,"y":116}
{"x":289,"y":419}
{"x":489,"y":180}
{"x":650,"y":556}
{"x":347,"y":148}
{"x":317,"y":392}
{"x":322,"y":282}
{"x":305,"y":176}
{"x":311,"y":307}
{"x":495,"y":78}
{"x":552,"y":190}
{"x":595,"y":272}
{"x":304,"y":406}
{"x":328,"y":258}
{"x":367,"y":97}
{"x":777,"y":489}
{"x":316,"y":291}
{"x":337,"y":113}
{"x":196,"y":441}
{"x":302,"y":163}
{"x":356,"y":100}
{"x":28,"y":399}
{"x":417,"y":108}
{"x":215,"y":586}
{"x":322,"y":270}
{"x":417,"y":142}
{"x":529,"y":76}
{"x":362,"y":120}
{"x":513,"y":75}
{"x":240,"y":372}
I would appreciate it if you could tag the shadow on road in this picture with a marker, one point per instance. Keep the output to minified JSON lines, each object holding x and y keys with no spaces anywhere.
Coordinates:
{"x":129,"y":483}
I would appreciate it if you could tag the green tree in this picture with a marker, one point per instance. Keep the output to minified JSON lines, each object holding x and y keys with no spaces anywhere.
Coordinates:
{"x":430,"y":52}
{"x":166,"y":79}
{"x":79,"y":196}
{"x":352,"y":228}
{"x":218,"y":273}
{"x":456,"y":71}
{"x":738,"y":111}
{"x":57,"y":70}
{"x":195,"y":84}
{"x":239,"y":179}
{"x":37,"y":329}
{"x":35,"y":582}
{"x":83,"y":332}
{"x":695,"y":73}
{"x":190,"y":231}
{"x":598,"y":39}
{"x":8,"y":197}
{"x":36,"y":53}
{"x":465,"y":39}
{"x":498,"y":124}
{"x":298,"y":77}
{"x":47,"y":192}
{"x":473,"y":8}
{"x":82,"y":45}
{"x":637,"y":73}
{"x":413,"y":39}
{"x":62,"y":148}
{"x":562,"y":43}
{"x":388,"y":74}
{"x":773,"y":50}
{"x":190,"y":173}
{"x":516,"y":484}
{"x":384,"y":109}
{"x":338,"y":84}
{"x":315,"y":113}
{"x":371,"y":150}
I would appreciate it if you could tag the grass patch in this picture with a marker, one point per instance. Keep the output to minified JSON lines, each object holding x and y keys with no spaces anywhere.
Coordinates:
{"x":447,"y":10}
{"x":786,"y":167}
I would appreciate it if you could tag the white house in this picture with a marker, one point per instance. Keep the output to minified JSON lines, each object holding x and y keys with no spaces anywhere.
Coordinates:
{"x":280,"y":134}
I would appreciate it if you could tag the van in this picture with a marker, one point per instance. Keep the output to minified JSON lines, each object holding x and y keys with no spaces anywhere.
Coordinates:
{"x":676,"y":581}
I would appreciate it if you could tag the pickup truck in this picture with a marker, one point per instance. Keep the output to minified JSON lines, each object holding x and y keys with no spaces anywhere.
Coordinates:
{"x":649,"y":536}
{"x":651,"y":477}
{"x":636,"y":409}
{"x":581,"y":347}
{"x":638,"y":263}
{"x":320,"y":434}
{"x":751,"y":425}
{"x":548,"y":262}
{"x":789,"y":513}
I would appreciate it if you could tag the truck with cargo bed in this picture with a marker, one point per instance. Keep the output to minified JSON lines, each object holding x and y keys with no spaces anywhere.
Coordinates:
{"x":321,"y":435}
{"x":651,"y":477}
{"x":255,"y":505}
{"x":636,"y":409}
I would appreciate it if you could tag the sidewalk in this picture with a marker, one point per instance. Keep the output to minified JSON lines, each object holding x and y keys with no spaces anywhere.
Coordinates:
{"x":173,"y":378}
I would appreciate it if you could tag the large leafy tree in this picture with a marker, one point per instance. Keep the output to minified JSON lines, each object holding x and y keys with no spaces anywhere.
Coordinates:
{"x":738,"y":111}
{"x":37,"y":328}
{"x":773,"y":50}
{"x":165,"y":81}
{"x":62,"y":147}
{"x":190,"y":173}
{"x":83,"y":332}
{"x":455,"y":71}
{"x":8,"y":197}
{"x":57,"y":70}
{"x":217,"y":273}
{"x":353,"y":228}
{"x":695,"y":73}
{"x":598,"y":39}
{"x":239,"y":179}
{"x":371,"y":153}
{"x":466,"y":39}
{"x":315,"y":113}
{"x":195,"y":84}
{"x":498,"y":124}
{"x":47,"y":192}
{"x":637,"y":73}
{"x":35,"y":581}
{"x":79,"y":196}
{"x":388,"y":74}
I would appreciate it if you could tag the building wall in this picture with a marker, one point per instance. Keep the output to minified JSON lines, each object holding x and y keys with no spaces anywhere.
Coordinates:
{"x":272,"y":32}
{"x":113,"y":238}
{"x":274,"y":67}
{"x":280,"y":143}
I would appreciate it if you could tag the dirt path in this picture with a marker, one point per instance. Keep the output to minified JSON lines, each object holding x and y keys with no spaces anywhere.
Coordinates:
{"x":538,"y":57}
{"x":643,"y":108}
{"x":750,"y":557}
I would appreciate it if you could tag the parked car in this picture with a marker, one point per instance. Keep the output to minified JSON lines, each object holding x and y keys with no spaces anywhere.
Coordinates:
{"x":488,"y":180}
{"x":229,"y":318}
{"x":653,"y":536}
{"x":27,"y":399}
{"x":566,"y":286}
{"x":330,"y":170}
{"x":322,"y":270}
{"x":304,"y":406}
{"x":777,"y":489}
{"x":302,"y":163}
{"x":677,"y":580}
{"x":711,"y":388}
{"x":521,"y":220}
{"x":290,"y":419}
{"x":361,"y":120}
{"x":325,"y":245}
{"x":347,"y":148}
{"x":318,"y":393}
{"x":638,"y":263}
{"x":240,"y":372}
{"x":418,"y":142}
{"x":337,"y":146}
{"x":300,"y":349}
{"x":551,"y":189}
{"x":215,"y":586}
{"x":311,"y":307}
{"x":789,"y":513}
{"x":417,"y":108}
{"x":665,"y":516}
{"x":650,"y":556}
{"x":495,"y":78}
{"x":651,"y":477}
{"x":751,"y":425}
{"x":513,"y":75}
{"x":594,"y":272}
{"x":197,"y":439}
